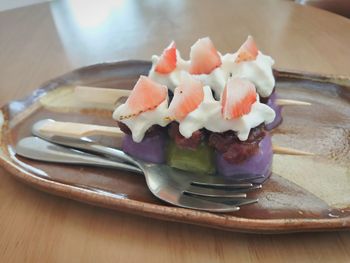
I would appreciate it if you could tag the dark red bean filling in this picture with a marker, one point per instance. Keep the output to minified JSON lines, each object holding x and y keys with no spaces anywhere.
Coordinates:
{"x":234,"y":150}
{"x":181,"y":141}
{"x":124,"y":128}
{"x":152,"y":131}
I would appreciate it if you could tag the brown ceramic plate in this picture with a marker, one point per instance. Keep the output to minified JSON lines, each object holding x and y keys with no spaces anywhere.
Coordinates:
{"x":305,"y":193}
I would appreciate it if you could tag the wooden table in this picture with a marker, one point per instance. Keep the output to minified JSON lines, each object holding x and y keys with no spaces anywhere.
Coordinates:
{"x":43,"y":41}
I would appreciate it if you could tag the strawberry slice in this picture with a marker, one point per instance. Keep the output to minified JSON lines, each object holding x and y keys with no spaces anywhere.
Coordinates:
{"x":167,"y":61}
{"x":237,"y":98}
{"x":145,"y":96}
{"x":187,"y":97}
{"x":248,"y":51}
{"x":204,"y":57}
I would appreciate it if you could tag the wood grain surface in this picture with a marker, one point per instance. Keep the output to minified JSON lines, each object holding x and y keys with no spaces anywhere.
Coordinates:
{"x":42,"y":41}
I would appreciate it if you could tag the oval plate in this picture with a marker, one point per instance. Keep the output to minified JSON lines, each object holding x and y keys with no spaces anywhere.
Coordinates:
{"x":305,"y":193}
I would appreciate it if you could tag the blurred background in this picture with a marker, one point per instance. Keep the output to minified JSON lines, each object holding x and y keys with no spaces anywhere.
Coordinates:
{"x":341,"y":7}
{"x":77,"y":33}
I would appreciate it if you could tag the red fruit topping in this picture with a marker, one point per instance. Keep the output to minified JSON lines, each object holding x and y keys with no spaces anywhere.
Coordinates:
{"x":167,"y":61}
{"x":248,"y":51}
{"x":187,"y":97}
{"x":237,"y":98}
{"x":145,"y":96}
{"x":204,"y":57}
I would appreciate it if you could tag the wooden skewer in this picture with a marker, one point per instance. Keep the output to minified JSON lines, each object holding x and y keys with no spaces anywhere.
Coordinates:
{"x":78,"y":130}
{"x":111,"y":96}
{"x":285,"y":102}
{"x":289,"y":151}
{"x":99,"y":95}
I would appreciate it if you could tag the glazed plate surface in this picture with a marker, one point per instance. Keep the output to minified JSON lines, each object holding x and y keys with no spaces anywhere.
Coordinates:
{"x":304,"y":193}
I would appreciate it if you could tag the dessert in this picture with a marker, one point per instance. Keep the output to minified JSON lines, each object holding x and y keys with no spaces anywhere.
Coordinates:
{"x":195,"y":131}
{"x":210,"y":114}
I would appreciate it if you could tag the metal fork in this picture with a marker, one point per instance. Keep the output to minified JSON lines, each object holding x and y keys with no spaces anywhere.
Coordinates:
{"x":174,"y":186}
{"x":170,"y":185}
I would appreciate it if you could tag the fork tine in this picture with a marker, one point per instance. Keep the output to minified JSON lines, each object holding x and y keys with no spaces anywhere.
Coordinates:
{"x":247,"y":179}
{"x":209,"y":194}
{"x":242,"y":202}
{"x":222,"y":185}
{"x":232,"y":201}
{"x":191,"y":202}
{"x":220,"y":181}
{"x":228,"y":193}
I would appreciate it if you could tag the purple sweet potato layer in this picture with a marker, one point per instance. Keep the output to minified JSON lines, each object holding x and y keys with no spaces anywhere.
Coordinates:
{"x":150,"y":149}
{"x":259,"y":163}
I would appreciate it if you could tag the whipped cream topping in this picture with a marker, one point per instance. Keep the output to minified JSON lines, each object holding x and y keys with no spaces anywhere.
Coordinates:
{"x":198,"y":118}
{"x":258,"y":71}
{"x":216,"y":80}
{"x":208,"y":115}
{"x":141,"y":123}
{"x":171,"y":80}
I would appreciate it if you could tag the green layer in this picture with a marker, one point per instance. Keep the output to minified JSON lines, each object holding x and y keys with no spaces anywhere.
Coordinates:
{"x":199,"y":160}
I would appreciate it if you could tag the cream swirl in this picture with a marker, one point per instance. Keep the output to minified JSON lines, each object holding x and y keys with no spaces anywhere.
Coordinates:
{"x":208,"y":115}
{"x":259,"y":71}
{"x":215,"y":79}
{"x":139,"y":124}
{"x":172,"y":79}
{"x":198,"y":118}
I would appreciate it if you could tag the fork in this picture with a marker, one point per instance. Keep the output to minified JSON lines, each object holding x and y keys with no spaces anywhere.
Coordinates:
{"x":180,"y":188}
{"x":49,"y":152}
{"x":229,"y":200}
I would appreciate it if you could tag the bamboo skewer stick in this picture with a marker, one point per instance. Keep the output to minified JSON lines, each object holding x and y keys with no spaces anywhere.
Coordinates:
{"x":99,"y":95}
{"x":289,"y":151}
{"x":111,"y":96}
{"x":285,"y":102}
{"x":78,"y":130}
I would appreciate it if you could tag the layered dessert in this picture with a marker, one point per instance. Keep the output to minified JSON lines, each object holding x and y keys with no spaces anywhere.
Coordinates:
{"x":214,"y":69}
{"x":200,"y":129}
